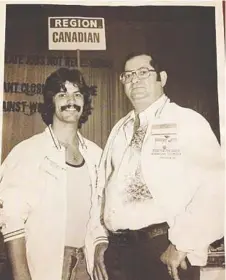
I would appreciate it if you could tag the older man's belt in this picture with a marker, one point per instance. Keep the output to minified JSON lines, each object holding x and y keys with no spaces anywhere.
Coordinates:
{"x":144,"y":234}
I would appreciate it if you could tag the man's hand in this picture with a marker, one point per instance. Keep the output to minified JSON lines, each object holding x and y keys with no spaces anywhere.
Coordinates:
{"x":174,"y":259}
{"x":99,"y":270}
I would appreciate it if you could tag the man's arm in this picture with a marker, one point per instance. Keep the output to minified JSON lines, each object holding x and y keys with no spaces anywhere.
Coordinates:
{"x":17,"y":197}
{"x":202,"y":221}
{"x":96,"y":234}
{"x":97,"y":241}
{"x":99,"y":272}
{"x":16,"y":250}
{"x":96,"y":238}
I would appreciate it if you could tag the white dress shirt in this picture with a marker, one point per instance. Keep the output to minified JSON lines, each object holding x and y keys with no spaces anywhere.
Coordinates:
{"x":128,"y":199}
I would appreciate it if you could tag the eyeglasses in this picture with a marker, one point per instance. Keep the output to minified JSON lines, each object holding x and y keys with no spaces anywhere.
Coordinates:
{"x":141,"y":73}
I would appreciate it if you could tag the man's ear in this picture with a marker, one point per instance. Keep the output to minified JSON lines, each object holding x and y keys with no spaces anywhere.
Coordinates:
{"x":163,"y":76}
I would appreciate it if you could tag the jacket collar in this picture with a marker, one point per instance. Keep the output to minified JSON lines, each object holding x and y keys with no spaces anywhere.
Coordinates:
{"x":56,"y":143}
{"x":55,"y":155}
{"x":55,"y":152}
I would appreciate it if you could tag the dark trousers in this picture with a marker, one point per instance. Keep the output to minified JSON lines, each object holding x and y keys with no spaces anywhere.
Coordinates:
{"x":140,"y":260}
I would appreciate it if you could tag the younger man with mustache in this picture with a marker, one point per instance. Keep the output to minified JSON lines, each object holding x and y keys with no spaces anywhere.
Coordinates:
{"x":47,"y":183}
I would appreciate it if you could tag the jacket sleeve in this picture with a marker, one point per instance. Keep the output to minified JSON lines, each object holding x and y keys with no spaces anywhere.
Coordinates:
{"x":96,"y":229}
{"x":16,"y":194}
{"x":96,"y":232}
{"x":202,"y":221}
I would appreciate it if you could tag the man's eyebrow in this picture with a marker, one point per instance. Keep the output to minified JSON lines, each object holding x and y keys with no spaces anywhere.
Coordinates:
{"x":134,"y":70}
{"x":65,"y":90}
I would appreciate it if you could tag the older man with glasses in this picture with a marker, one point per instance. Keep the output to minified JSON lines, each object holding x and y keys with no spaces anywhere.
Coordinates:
{"x":160,"y":186}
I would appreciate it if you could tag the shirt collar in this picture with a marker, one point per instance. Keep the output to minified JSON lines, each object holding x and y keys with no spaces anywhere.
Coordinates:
{"x":153,"y":110}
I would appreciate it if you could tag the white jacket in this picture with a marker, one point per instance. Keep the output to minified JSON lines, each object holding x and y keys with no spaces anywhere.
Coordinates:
{"x":187,"y":182}
{"x":33,"y":191}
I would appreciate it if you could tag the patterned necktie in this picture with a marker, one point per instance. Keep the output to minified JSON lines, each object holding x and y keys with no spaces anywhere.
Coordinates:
{"x":139,"y":132}
{"x":136,"y":187}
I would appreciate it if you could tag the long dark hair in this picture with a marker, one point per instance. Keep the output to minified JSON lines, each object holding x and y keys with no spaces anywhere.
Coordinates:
{"x":55,"y":83}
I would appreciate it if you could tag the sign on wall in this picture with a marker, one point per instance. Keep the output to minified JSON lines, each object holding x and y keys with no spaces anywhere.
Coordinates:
{"x":23,"y":94}
{"x":76,"y":33}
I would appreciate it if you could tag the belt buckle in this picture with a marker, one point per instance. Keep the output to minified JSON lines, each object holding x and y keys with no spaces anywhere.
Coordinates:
{"x":158,"y":230}
{"x":118,"y":232}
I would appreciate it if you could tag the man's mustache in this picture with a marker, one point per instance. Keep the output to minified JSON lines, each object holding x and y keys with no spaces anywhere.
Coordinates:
{"x":65,"y":107}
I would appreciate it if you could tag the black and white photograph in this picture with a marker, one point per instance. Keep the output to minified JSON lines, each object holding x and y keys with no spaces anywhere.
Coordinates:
{"x":112,"y":140}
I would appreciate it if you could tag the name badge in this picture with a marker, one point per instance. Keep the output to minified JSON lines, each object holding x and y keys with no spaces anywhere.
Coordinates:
{"x":165,"y":142}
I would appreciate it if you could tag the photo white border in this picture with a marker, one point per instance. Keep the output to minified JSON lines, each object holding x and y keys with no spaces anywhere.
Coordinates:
{"x":220,"y":43}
